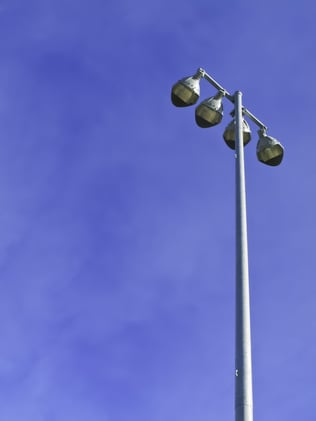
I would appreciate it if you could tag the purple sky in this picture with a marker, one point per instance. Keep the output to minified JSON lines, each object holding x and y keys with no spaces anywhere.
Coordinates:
{"x":117,"y":215}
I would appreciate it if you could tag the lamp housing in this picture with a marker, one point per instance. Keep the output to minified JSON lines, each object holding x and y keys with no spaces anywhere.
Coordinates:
{"x":230,"y":134}
{"x":269,"y":150}
{"x":210,"y":111}
{"x":186,"y":91}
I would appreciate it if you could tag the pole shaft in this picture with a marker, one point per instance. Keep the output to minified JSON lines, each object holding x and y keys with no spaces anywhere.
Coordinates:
{"x":243,"y":374}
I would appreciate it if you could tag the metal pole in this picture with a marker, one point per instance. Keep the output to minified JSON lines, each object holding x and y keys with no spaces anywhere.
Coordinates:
{"x":243,"y":379}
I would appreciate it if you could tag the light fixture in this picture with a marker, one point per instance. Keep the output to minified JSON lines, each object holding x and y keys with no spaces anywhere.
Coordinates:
{"x":210,"y":111}
{"x":269,"y":150}
{"x":186,"y":91}
{"x":229,"y":134}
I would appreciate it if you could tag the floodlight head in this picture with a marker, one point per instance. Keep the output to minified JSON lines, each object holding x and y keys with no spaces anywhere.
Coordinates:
{"x":210,"y":111}
{"x":229,"y":134}
{"x":269,"y":150}
{"x":186,"y":91}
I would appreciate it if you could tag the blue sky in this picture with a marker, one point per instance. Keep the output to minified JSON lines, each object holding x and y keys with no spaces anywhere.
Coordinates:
{"x":117,"y":212}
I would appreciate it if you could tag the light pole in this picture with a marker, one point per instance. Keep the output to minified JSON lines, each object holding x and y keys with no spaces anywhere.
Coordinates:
{"x":269,"y":151}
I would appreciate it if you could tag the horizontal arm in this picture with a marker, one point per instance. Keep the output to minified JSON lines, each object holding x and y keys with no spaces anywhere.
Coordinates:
{"x":216,"y":85}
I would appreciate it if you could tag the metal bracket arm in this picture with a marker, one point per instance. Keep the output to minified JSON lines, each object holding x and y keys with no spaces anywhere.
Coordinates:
{"x":216,"y":85}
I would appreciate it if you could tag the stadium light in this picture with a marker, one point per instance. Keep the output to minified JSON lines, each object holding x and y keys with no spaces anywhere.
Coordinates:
{"x":237,"y":134}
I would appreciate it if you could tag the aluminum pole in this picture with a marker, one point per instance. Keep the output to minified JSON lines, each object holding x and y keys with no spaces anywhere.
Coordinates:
{"x":243,"y":373}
